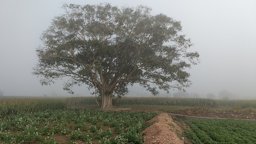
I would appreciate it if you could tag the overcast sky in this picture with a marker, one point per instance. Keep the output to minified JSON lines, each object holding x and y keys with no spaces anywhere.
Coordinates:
{"x":222,"y":31}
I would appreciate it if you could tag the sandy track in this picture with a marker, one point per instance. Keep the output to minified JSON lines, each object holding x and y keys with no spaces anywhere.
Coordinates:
{"x":163,"y":130}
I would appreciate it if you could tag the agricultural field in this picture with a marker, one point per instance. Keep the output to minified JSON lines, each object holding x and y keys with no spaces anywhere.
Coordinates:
{"x":169,"y":101}
{"x":236,"y":109}
{"x":79,"y":120}
{"x":210,"y":131}
{"x":53,"y":122}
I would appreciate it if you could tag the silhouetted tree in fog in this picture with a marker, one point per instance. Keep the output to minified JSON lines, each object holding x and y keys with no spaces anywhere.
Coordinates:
{"x":109,"y":48}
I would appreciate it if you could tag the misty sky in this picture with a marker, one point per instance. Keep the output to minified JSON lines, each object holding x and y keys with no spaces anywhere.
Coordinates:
{"x":222,"y":31}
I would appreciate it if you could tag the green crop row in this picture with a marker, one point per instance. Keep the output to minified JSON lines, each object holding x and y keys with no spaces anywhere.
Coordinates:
{"x":15,"y":108}
{"x":205,"y":131}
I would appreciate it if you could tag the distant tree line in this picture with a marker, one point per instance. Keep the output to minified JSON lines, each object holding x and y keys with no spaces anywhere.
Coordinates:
{"x":223,"y":94}
{"x":1,"y":93}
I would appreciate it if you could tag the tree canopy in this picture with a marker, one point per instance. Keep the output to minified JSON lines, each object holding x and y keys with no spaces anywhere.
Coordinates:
{"x":109,"y":48}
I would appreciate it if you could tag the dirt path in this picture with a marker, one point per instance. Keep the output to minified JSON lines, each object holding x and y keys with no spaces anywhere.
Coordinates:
{"x":163,"y":130}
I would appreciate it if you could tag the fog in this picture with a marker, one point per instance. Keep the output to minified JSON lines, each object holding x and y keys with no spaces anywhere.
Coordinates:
{"x":222,"y":31}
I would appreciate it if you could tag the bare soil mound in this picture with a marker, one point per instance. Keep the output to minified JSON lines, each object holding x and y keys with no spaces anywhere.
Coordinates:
{"x":163,"y":130}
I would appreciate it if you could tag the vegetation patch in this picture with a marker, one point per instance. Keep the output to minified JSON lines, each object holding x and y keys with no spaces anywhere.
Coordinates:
{"x":62,"y":125}
{"x":208,"y":131}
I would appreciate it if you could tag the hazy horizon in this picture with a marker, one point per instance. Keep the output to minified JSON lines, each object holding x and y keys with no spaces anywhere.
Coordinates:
{"x":222,"y":32}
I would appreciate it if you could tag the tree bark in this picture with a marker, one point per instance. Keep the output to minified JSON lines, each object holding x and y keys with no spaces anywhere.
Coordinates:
{"x":106,"y":102}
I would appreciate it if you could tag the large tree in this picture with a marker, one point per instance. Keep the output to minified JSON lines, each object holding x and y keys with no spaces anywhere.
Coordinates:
{"x":109,"y":48}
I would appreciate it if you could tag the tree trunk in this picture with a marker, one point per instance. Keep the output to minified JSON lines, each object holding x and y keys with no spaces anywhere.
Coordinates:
{"x":106,"y":102}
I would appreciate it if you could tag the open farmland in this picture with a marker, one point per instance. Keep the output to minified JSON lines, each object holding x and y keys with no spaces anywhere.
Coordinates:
{"x":53,"y":122}
{"x":238,"y":109}
{"x":210,"y":131}
{"x":79,"y":120}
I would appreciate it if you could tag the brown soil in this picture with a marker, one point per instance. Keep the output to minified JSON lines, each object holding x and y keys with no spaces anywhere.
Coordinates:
{"x":115,"y":109}
{"x":220,"y":113}
{"x":60,"y":139}
{"x":79,"y":142}
{"x":163,"y":130}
